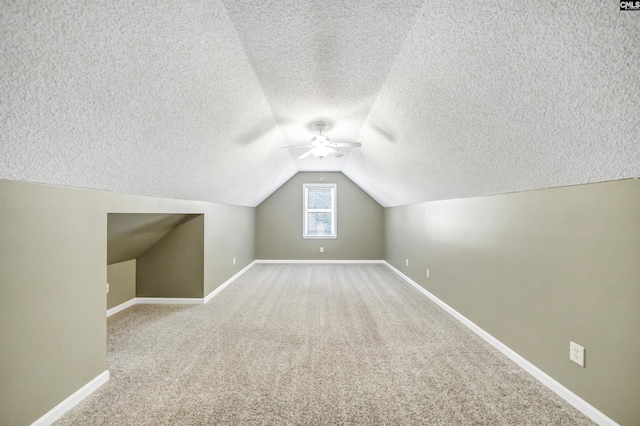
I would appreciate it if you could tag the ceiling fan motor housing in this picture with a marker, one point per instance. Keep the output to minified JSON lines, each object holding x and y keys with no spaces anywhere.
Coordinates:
{"x":320,"y":140}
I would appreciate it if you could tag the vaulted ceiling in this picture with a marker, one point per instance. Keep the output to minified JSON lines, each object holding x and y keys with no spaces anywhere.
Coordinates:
{"x":194,"y":99}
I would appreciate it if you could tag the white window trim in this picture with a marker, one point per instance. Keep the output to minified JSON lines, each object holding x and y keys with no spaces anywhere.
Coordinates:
{"x":334,"y":210}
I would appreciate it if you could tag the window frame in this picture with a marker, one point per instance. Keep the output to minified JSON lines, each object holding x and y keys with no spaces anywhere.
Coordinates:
{"x":333,"y":210}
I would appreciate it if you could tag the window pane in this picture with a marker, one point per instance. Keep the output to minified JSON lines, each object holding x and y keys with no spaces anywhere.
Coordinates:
{"x":319,"y":198}
{"x":319,"y":223}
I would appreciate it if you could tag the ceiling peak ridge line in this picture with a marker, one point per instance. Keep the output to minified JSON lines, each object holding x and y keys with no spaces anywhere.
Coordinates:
{"x":253,"y":70}
{"x":283,"y":29}
{"x":251,"y":66}
{"x":391,"y":68}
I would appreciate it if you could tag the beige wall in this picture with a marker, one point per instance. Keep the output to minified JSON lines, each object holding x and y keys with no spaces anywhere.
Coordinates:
{"x":122,"y":282}
{"x":174,"y":266}
{"x":230,"y":233}
{"x":52,"y":299}
{"x":360,"y":223}
{"x":52,"y":284}
{"x":536,"y":270}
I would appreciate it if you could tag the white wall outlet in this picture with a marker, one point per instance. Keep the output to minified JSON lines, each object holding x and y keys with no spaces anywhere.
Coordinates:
{"x":576,"y":353}
{"x":406,"y":262}
{"x":427,"y":273}
{"x":107,"y":287}
{"x":234,"y":260}
{"x":321,"y":249}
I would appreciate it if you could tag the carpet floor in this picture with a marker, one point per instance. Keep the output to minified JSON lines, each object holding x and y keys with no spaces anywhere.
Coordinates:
{"x":311,"y":345}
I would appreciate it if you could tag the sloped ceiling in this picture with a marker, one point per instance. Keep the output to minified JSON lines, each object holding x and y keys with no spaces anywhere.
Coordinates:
{"x":130,"y":235}
{"x":195,"y":99}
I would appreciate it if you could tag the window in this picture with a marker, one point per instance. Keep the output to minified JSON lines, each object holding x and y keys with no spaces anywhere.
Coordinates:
{"x":319,"y":210}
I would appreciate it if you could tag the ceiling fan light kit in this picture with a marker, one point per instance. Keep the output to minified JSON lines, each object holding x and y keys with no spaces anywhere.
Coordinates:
{"x":321,"y":146}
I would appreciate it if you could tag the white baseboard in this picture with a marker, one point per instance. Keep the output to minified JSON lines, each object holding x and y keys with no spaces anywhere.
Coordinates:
{"x":169,"y":300}
{"x":176,"y":300}
{"x":155,"y":301}
{"x":120,"y":307}
{"x":315,"y":261}
{"x":227,"y":282}
{"x":58,"y":411}
{"x":573,"y":399}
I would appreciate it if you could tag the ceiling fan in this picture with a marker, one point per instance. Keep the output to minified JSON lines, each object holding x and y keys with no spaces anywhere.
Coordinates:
{"x":321,"y":145}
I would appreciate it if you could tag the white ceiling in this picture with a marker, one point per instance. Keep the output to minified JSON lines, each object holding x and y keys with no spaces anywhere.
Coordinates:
{"x":194,"y":99}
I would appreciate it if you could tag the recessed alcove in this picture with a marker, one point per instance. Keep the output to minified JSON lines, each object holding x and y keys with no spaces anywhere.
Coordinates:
{"x":154,"y":255}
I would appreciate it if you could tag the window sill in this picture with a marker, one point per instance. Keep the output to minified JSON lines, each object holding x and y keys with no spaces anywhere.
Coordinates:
{"x":319,"y":237}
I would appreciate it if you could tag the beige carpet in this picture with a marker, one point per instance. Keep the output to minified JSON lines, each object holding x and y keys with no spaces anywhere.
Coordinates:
{"x":309,"y":345}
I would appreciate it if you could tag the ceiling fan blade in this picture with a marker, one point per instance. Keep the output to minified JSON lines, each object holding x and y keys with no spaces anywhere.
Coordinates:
{"x":345,"y":144}
{"x":306,"y":154}
{"x":297,"y":146}
{"x":336,"y":153}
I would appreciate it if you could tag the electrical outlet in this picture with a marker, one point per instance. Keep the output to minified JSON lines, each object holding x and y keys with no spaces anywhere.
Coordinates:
{"x":321,"y":249}
{"x":406,"y":262}
{"x":427,"y":273}
{"x":234,"y":260}
{"x":107,"y":287}
{"x":576,"y":353}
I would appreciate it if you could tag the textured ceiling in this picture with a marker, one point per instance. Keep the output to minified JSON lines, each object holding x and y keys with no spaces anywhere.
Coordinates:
{"x":321,"y":60}
{"x":503,"y":97}
{"x":153,"y":98}
{"x":193,"y":99}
